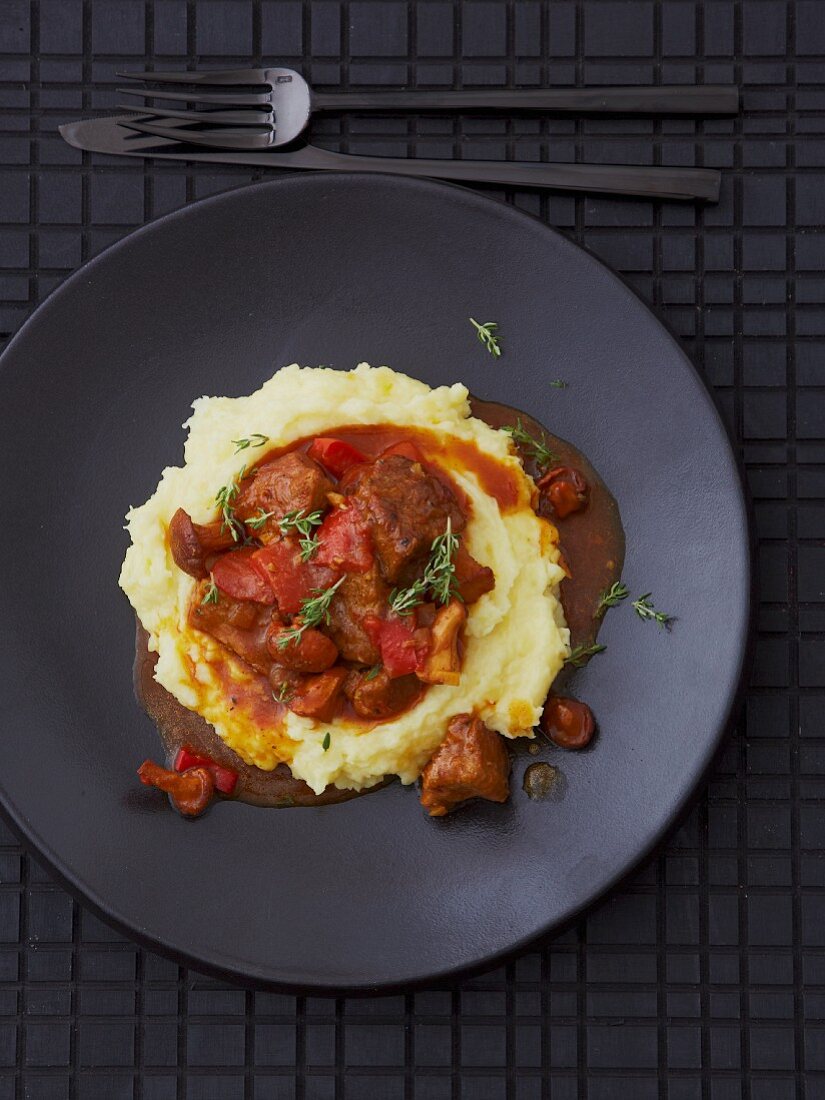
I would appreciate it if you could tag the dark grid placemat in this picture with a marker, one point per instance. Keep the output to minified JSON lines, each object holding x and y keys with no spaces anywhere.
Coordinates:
{"x":705,"y":977}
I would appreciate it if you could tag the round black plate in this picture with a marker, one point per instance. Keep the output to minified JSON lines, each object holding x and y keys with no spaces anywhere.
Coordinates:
{"x":333,"y":270}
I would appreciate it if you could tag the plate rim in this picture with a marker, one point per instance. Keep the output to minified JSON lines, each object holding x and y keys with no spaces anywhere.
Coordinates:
{"x":247,"y":977}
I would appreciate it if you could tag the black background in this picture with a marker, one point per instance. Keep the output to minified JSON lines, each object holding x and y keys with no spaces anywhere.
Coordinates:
{"x":705,"y":976}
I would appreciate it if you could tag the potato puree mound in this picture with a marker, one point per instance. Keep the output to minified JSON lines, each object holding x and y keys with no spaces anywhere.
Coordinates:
{"x":515,"y":641}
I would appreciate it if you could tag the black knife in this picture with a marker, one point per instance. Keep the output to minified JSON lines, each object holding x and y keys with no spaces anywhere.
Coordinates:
{"x":105,"y":135}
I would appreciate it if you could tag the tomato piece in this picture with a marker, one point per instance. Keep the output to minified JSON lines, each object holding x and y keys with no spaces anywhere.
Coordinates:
{"x":237,"y":575}
{"x":402,"y":644}
{"x":335,"y":455}
{"x":345,"y":542}
{"x":225,"y":778}
{"x":292,"y":580}
{"x":406,"y":449}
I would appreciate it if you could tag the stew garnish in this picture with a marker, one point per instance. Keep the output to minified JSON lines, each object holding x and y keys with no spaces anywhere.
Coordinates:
{"x":254,"y":440}
{"x":581,"y":654}
{"x":314,"y":610}
{"x":301,"y":523}
{"x":211,"y":595}
{"x":536,"y":449}
{"x":611,"y":597}
{"x":439,"y":576}
{"x":486,"y":334}
{"x":645,"y":610}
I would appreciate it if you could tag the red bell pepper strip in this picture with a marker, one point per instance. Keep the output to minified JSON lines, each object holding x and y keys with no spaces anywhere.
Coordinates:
{"x":335,"y":455}
{"x":236,"y":574}
{"x":404,"y":448}
{"x":403,"y":646}
{"x":225,"y":778}
{"x":344,"y":542}
{"x":290,"y":579}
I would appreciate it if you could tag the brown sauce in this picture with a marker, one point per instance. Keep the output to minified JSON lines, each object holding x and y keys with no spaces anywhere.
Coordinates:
{"x":592,"y":542}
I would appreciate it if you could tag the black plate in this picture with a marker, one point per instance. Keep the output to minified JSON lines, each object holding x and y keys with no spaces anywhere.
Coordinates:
{"x":333,"y":270}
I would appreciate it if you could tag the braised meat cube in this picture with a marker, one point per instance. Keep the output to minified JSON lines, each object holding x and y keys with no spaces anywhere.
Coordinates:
{"x":471,"y":762}
{"x":310,"y":651}
{"x":406,"y":508}
{"x":377,"y":697}
{"x":318,"y":696}
{"x":291,"y":483}
{"x":473,"y":578}
{"x":360,"y":595}
{"x":239,"y":625}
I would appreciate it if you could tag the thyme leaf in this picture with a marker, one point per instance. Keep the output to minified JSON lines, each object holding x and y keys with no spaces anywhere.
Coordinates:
{"x":326,"y":741}
{"x":486,"y":334}
{"x":211,"y":594}
{"x":536,"y":449}
{"x":257,"y":522}
{"x":224,"y":499}
{"x":439,"y":576}
{"x":284,"y":693}
{"x":314,"y":610}
{"x":254,"y":440}
{"x":611,"y":597}
{"x":302,"y":523}
{"x":581,"y":654}
{"x":645,"y":610}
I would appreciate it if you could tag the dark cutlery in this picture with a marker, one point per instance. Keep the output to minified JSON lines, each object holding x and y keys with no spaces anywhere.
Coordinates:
{"x":280,"y":102}
{"x":109,"y":135}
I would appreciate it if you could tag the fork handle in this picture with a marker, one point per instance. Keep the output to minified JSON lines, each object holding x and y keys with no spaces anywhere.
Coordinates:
{"x":615,"y":179}
{"x":703,"y":99}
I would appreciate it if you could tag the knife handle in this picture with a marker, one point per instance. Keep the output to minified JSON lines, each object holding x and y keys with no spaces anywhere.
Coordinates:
{"x":616,"y":179}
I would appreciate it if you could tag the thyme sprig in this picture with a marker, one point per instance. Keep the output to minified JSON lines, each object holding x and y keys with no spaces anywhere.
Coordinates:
{"x":314,"y":610}
{"x":581,"y":654}
{"x":439,"y":576}
{"x":611,"y":597}
{"x":645,"y":610}
{"x":536,"y":449}
{"x":224,"y":498}
{"x":284,"y":692}
{"x":302,"y":523}
{"x":486,"y":334}
{"x":211,"y":594}
{"x":257,"y":522}
{"x":254,"y":440}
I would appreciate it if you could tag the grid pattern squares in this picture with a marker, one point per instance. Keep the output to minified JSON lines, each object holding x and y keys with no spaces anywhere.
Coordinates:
{"x":705,"y":976}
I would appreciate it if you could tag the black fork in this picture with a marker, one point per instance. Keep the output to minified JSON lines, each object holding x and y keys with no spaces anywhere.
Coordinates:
{"x":270,"y":107}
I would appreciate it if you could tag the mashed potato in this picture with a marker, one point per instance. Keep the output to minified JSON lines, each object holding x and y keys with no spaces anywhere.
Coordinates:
{"x":515,"y":638}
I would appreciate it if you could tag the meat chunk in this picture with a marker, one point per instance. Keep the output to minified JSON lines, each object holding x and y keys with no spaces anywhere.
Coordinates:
{"x":291,"y":483}
{"x":318,"y":696}
{"x":473,"y":578}
{"x":406,"y":508}
{"x":378,"y":697}
{"x":311,"y":651}
{"x":240,"y":626}
{"x":360,"y":595}
{"x":471,"y":762}
{"x":193,"y":543}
